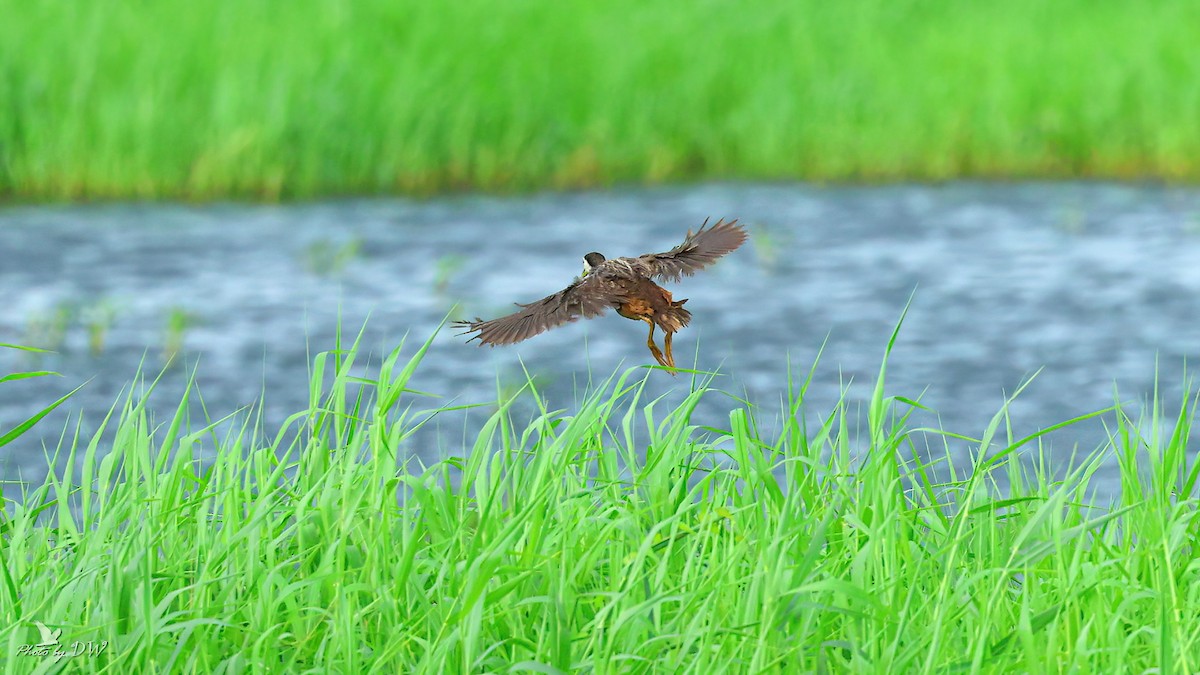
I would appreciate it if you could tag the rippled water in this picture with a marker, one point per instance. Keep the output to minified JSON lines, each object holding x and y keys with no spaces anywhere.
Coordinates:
{"x":1093,"y":284}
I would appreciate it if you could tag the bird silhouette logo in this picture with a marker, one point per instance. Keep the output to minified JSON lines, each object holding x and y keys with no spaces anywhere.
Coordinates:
{"x":49,"y":637}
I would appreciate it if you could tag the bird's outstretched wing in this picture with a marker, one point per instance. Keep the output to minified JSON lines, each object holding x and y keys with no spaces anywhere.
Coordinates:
{"x":587,"y":297}
{"x":49,"y":637}
{"x":697,"y":250}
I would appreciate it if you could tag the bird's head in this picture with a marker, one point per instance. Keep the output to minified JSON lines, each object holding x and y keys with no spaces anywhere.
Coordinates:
{"x":591,"y":260}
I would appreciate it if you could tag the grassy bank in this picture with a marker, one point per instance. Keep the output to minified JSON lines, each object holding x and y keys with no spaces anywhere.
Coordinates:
{"x":270,"y":99}
{"x":618,"y":537}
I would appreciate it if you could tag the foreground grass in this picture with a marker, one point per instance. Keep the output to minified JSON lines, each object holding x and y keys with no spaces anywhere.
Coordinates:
{"x":273,"y":99}
{"x":619,"y":537}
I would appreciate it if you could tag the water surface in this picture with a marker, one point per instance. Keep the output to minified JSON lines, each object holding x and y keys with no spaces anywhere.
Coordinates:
{"x":1090,"y":283}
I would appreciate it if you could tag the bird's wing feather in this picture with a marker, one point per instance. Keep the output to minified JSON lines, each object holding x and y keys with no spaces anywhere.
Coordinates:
{"x":697,"y":251}
{"x":587,"y":297}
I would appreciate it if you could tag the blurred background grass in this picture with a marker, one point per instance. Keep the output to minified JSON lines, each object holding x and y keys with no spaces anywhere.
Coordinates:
{"x":270,"y":99}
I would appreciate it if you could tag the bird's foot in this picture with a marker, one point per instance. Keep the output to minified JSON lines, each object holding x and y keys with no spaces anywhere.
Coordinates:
{"x":658,"y":355}
{"x":664,"y":361}
{"x":667,"y":345}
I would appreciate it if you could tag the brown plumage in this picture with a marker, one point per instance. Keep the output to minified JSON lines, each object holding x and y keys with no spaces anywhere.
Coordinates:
{"x":623,"y":284}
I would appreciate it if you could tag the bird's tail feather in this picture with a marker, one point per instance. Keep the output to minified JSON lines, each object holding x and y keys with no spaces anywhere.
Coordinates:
{"x":674,"y":317}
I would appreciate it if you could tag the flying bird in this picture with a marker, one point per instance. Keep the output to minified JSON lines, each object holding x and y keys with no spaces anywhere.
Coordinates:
{"x":624,"y":284}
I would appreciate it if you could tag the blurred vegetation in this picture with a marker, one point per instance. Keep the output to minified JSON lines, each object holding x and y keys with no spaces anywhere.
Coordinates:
{"x":267,"y":99}
{"x":47,"y":330}
{"x":768,"y":244}
{"x":445,"y":269}
{"x":329,"y":258}
{"x":98,"y":319}
{"x":179,"y":321}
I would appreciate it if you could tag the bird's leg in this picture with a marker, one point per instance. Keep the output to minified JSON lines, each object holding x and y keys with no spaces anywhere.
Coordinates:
{"x":667,"y":347}
{"x":658,"y":355}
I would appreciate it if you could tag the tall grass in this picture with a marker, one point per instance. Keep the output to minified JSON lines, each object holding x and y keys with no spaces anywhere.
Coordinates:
{"x":616,"y":537}
{"x":272,"y":99}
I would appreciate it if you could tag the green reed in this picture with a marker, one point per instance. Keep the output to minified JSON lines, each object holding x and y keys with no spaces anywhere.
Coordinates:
{"x":619,"y":536}
{"x":270,"y":99}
